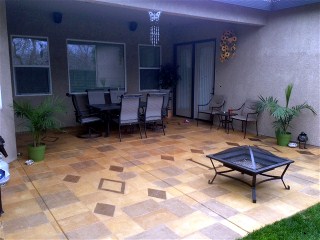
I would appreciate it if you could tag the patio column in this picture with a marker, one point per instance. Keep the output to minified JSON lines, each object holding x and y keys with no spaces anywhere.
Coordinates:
{"x":7,"y":127}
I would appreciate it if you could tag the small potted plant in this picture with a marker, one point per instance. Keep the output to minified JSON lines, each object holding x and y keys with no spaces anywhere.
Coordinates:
{"x":39,"y":119}
{"x":283,"y":114}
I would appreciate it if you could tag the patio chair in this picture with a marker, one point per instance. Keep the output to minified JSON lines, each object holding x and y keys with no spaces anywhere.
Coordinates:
{"x":211,"y":108}
{"x":246,"y":113}
{"x":115,"y":95}
{"x":153,"y":111}
{"x":129,"y":112}
{"x":96,"y":96}
{"x":166,"y":99}
{"x":85,"y":118}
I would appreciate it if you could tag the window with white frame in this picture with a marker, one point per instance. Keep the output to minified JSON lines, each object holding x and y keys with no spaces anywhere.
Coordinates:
{"x":95,"y":65}
{"x":31,"y":65}
{"x":149,"y":66}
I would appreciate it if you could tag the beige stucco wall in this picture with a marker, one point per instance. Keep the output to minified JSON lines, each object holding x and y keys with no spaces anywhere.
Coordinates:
{"x":284,"y":51}
{"x":7,"y":128}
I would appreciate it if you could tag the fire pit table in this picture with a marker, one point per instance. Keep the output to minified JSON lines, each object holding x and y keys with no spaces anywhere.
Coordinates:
{"x":252,"y":161}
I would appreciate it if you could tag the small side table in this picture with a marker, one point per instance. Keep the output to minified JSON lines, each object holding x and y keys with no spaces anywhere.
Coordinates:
{"x":226,"y":120}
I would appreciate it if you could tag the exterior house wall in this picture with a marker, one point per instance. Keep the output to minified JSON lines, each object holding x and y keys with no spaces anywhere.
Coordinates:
{"x":267,"y":59}
{"x":82,"y":21}
{"x":7,"y":128}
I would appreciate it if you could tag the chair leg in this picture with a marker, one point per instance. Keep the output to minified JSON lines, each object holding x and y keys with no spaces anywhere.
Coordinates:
{"x":120,"y":132}
{"x":245,"y":129}
{"x":211,"y":119}
{"x":257,"y":128}
{"x":163,"y":128}
{"x":145,"y":129}
{"x":140,"y":130}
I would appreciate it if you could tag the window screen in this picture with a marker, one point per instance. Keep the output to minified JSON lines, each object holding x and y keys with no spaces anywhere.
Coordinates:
{"x":31,"y":67}
{"x":149,"y":57}
{"x":95,"y":65}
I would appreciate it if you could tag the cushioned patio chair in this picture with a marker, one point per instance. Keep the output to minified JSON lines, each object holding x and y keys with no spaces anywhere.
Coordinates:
{"x":246,"y":113}
{"x":166,"y":98}
{"x":129,"y":112}
{"x":211,"y":108}
{"x":96,"y":96}
{"x":115,"y":95}
{"x":84,"y":117}
{"x":153,"y":111}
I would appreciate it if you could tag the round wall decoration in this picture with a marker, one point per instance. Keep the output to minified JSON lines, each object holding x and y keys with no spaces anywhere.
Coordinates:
{"x":227,"y":45}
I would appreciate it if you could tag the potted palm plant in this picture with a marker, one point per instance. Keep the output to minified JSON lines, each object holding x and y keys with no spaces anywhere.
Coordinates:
{"x":283,"y":114}
{"x":39,"y":119}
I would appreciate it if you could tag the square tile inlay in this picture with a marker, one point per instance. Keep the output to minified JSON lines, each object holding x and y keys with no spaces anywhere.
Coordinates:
{"x":167,"y":157}
{"x":232,"y":144}
{"x":116,"y":168}
{"x":157,"y":193}
{"x":106,"y":148}
{"x":255,"y":139}
{"x":112,"y":185}
{"x":305,"y":152}
{"x":71,"y":178}
{"x":197,"y":151}
{"x":104,"y":209}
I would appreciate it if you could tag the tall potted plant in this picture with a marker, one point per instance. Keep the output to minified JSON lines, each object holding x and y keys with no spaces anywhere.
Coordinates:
{"x":168,"y":76}
{"x":39,"y":119}
{"x":283,"y":114}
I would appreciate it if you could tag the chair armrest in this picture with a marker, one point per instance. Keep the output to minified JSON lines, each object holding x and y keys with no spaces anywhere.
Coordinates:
{"x":253,"y":113}
{"x":201,"y":105}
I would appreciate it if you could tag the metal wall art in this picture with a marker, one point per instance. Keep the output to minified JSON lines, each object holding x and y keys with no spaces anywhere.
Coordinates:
{"x":228,"y":45}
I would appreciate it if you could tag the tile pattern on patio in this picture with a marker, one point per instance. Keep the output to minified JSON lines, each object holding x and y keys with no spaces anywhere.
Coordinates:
{"x":155,"y":188}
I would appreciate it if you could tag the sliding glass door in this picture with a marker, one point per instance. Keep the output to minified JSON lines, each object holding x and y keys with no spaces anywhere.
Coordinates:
{"x":184,"y":85}
{"x":196,"y":63}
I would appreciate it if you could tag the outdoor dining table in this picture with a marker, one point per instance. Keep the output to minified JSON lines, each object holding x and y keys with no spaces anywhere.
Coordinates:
{"x":106,"y":110}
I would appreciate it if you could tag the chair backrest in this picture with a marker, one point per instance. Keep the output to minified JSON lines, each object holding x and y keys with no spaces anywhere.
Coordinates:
{"x":75,"y":103}
{"x":165,"y":100}
{"x":130,"y":105}
{"x":250,"y":106}
{"x":115,"y":95}
{"x":96,"y":96}
{"x":217,"y":102}
{"x":154,"y":106}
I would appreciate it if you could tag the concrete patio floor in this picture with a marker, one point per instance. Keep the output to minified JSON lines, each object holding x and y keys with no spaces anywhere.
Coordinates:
{"x":154,"y":188}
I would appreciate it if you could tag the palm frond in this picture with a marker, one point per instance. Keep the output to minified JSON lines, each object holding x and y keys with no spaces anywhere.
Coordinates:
{"x":288,"y":93}
{"x":282,"y":115}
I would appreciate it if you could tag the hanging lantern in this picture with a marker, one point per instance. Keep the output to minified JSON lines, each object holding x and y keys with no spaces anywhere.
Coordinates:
{"x":154,"y":28}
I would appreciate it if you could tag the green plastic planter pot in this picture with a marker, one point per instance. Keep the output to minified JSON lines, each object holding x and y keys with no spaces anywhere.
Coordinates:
{"x":36,"y":153}
{"x":283,"y":139}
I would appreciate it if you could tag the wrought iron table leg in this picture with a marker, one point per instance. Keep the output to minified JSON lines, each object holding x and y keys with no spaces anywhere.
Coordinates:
{"x":284,"y":171}
{"x":254,"y":198}
{"x":215,"y":172}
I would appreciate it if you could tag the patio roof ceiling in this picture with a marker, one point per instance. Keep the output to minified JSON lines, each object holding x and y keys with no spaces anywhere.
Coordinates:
{"x":174,"y":13}
{"x":269,"y":5}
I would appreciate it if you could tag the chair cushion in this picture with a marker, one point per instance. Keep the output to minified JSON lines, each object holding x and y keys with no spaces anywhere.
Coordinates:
{"x":89,"y":120}
{"x":243,"y":118}
{"x":206,"y":111}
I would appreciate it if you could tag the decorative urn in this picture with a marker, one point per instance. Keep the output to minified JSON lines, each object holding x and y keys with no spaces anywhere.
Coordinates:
{"x":302,"y":138}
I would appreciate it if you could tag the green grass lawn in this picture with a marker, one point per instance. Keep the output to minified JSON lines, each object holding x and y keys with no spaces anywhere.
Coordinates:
{"x":303,"y":225}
